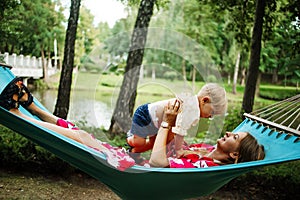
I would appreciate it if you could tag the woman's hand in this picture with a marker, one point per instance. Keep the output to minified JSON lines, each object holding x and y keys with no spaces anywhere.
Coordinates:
{"x":170,"y":113}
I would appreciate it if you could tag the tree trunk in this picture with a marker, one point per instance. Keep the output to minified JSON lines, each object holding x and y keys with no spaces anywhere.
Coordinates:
{"x":153,"y":74}
{"x":183,"y":69}
{"x":258,"y":84}
{"x":64,"y":90}
{"x":275,"y":76}
{"x":44,"y":64}
{"x":243,"y":76}
{"x":249,"y":93}
{"x":236,"y":71}
{"x":121,"y":119}
{"x":194,"y":79}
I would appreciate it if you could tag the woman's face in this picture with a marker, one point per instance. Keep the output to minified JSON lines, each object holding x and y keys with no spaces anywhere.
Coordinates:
{"x":230,"y":142}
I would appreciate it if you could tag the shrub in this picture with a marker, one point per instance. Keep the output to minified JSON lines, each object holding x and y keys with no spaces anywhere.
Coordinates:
{"x":19,"y":152}
{"x":233,"y":119}
{"x":277,"y":93}
{"x":170,"y":75}
{"x":211,"y":79}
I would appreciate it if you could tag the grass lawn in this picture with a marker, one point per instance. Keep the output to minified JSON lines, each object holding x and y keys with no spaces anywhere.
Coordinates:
{"x":152,"y":90}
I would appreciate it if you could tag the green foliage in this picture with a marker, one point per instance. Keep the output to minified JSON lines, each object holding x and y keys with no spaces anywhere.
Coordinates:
{"x":167,"y":62}
{"x":211,"y":79}
{"x":233,"y":118}
{"x":99,"y":132}
{"x":17,"y":149}
{"x":7,"y":4}
{"x":30,"y":26}
{"x":2,"y":59}
{"x":19,"y":152}
{"x":222,"y":27}
{"x":277,"y":93}
{"x":118,"y":44}
{"x":40,"y":85}
{"x":285,"y":171}
{"x":170,"y":75}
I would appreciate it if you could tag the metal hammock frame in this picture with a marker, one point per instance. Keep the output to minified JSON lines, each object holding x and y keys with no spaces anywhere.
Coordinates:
{"x":283,"y":115}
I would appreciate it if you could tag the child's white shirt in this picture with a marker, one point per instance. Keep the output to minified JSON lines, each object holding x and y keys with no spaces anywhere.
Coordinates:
{"x":189,"y":115}
{"x":156,"y":111}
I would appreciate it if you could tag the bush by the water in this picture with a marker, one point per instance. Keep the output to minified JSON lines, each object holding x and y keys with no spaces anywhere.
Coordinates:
{"x":277,"y":93}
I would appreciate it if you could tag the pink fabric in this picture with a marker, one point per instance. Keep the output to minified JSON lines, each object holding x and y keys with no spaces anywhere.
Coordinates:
{"x":66,"y":124}
{"x":116,"y":157}
{"x":191,"y":160}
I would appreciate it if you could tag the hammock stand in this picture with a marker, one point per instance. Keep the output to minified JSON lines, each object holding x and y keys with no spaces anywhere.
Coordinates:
{"x":155,"y":183}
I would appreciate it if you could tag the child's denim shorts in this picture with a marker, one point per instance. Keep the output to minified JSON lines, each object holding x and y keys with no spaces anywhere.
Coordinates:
{"x":142,"y":124}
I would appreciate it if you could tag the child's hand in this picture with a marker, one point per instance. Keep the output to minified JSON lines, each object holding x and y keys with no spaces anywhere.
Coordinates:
{"x":170,"y":113}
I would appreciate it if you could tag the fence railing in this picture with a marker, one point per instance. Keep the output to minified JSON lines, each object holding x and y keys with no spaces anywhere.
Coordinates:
{"x":27,"y":66}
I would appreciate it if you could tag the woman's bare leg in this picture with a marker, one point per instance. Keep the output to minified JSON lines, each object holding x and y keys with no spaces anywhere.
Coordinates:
{"x":63,"y":131}
{"x":77,"y":135}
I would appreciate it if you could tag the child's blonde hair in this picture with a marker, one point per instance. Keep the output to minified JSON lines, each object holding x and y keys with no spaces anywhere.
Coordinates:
{"x":217,"y":95}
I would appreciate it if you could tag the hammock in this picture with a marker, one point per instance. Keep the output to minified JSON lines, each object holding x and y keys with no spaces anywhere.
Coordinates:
{"x":153,"y":183}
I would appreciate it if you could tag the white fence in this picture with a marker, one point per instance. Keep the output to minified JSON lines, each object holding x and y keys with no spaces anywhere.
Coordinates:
{"x":26,"y":66}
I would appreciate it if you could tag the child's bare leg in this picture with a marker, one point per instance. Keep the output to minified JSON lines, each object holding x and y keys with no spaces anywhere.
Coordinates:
{"x":149,"y":143}
{"x":137,"y":143}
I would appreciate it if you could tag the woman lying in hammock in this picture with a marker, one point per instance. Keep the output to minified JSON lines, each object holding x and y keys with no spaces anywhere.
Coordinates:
{"x":16,"y":93}
{"x":232,"y":148}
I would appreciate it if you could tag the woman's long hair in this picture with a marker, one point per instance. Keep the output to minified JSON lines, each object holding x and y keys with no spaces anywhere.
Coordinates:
{"x":250,"y":150}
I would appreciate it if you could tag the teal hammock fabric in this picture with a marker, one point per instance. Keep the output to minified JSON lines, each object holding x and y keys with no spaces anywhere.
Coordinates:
{"x":151,"y":183}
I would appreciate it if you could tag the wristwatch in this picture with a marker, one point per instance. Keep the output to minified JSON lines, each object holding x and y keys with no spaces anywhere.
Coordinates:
{"x":165,"y":125}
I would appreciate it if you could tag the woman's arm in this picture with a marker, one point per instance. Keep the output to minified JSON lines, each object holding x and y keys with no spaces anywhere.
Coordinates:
{"x":158,"y":156}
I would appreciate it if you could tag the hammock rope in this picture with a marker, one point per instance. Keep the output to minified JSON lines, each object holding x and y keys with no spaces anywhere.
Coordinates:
{"x":283,"y":115}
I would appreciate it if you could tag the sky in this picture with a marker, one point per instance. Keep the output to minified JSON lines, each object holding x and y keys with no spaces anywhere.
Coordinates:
{"x":103,"y":10}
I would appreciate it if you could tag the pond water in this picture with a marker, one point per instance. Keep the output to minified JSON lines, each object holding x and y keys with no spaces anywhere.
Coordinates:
{"x":83,"y":107}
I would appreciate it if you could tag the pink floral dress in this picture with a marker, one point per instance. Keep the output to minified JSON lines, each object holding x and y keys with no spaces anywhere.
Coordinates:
{"x":191,"y":160}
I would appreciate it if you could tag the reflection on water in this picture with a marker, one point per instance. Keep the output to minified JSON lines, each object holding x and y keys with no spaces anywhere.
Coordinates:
{"x":83,"y":107}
